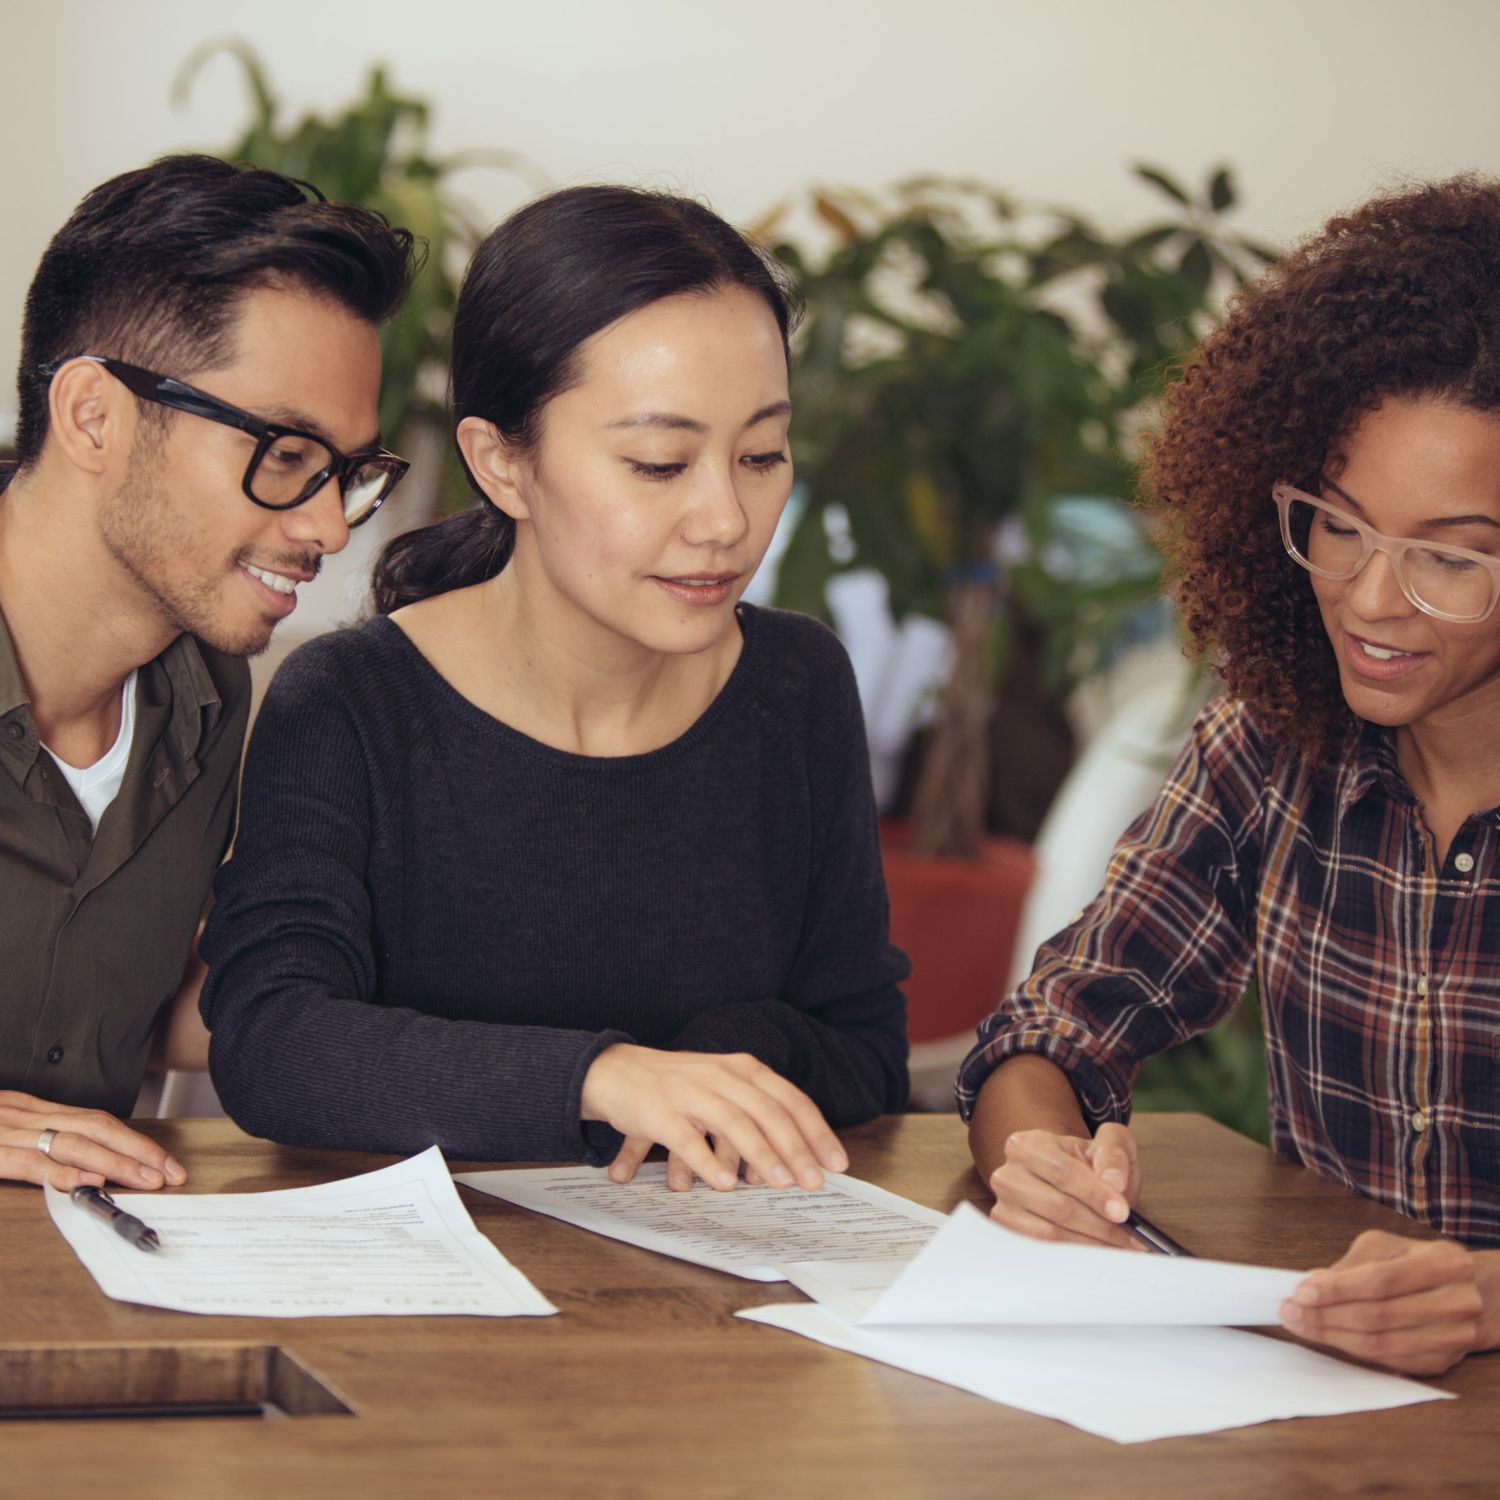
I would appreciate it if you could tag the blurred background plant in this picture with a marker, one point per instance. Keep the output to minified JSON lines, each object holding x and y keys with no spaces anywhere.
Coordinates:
{"x":1221,"y":1074}
{"x":375,"y":153}
{"x":971,"y":377}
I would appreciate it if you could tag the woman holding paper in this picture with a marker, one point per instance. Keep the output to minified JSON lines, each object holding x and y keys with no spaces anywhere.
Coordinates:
{"x":1329,"y":480}
{"x":567,"y":852}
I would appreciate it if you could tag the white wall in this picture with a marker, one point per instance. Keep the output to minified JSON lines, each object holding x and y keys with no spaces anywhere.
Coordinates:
{"x":1314,"y":101}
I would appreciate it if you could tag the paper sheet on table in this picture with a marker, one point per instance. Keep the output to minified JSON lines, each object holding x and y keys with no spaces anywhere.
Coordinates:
{"x":397,"y":1240}
{"x":1128,"y":1384}
{"x":749,"y":1232}
{"x":973,"y":1271}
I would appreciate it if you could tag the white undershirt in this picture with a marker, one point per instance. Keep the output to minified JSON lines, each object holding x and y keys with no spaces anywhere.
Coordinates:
{"x":96,"y":786}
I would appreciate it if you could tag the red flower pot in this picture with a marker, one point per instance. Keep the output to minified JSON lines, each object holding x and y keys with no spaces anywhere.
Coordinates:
{"x":957,"y":921}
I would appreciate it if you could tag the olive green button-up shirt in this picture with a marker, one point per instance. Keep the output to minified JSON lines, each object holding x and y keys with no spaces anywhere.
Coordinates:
{"x":95,"y":927}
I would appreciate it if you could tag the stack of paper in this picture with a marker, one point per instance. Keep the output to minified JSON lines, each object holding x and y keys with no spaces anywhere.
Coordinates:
{"x":397,"y":1240}
{"x":1127,"y":1346}
{"x":1131,"y":1347}
{"x":749,"y":1232}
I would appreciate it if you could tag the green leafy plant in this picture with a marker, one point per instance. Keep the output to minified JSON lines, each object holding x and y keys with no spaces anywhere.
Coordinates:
{"x":375,"y":153}
{"x":1221,"y":1074}
{"x":967,"y":364}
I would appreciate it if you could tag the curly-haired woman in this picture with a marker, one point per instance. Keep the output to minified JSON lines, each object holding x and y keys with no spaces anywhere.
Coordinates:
{"x":1329,"y":480}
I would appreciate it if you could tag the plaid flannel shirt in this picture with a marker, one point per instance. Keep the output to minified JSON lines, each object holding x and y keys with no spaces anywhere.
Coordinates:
{"x":1379,"y":976}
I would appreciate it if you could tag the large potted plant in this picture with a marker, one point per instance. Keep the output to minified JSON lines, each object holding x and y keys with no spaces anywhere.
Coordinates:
{"x":375,"y":153}
{"x":969,"y":368}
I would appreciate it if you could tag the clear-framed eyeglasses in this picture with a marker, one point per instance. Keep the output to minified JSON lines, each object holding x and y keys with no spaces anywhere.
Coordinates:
{"x":1448,"y":583}
{"x":286,"y":466}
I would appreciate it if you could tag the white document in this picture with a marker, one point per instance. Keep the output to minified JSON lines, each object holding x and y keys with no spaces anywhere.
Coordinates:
{"x":749,"y":1232}
{"x":1128,"y":1384}
{"x":974,"y":1271}
{"x":397,"y":1240}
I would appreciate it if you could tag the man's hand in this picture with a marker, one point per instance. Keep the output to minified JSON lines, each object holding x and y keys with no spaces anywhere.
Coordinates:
{"x":1418,"y":1306}
{"x":89,"y":1147}
{"x":682,"y":1099}
{"x":1069,"y":1188}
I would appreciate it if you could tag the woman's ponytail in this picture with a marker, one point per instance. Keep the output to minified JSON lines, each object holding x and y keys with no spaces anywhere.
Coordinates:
{"x":460,"y":550}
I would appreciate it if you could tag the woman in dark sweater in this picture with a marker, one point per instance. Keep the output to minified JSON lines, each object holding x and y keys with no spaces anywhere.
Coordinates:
{"x":567,"y":853}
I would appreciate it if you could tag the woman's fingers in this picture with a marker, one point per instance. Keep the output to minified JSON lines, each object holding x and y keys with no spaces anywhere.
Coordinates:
{"x":805,"y":1116}
{"x":680,"y":1176}
{"x":1051,"y":1179}
{"x":629,"y":1157}
{"x":1114,"y":1158}
{"x":1411,"y":1305}
{"x":1456,"y":1302}
{"x":1037,"y":1227}
{"x":789,"y":1155}
{"x":756,"y":1118}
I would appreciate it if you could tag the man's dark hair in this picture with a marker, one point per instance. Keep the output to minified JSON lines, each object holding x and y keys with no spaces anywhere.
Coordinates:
{"x":152,"y":265}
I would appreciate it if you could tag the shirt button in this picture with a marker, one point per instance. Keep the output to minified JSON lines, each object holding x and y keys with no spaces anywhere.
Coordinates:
{"x":1421,"y":984}
{"x":14,"y":732}
{"x":1463,"y":863}
{"x":1419,"y":1121}
{"x":55,"y":1052}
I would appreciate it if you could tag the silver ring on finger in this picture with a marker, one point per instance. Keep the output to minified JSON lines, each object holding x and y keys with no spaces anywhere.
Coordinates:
{"x":44,"y":1142}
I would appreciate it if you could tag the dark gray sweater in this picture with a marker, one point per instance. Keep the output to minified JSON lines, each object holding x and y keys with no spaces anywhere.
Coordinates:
{"x":433,"y":924}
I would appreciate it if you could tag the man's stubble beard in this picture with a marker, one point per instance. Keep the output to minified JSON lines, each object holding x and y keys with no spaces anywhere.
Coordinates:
{"x":146,"y":540}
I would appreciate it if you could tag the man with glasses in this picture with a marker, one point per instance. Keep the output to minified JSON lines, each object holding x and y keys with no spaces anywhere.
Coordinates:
{"x":197,"y":427}
{"x":1328,"y":477}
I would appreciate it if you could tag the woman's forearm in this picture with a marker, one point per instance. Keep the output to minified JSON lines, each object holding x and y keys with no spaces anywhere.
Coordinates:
{"x":1026,"y":1092}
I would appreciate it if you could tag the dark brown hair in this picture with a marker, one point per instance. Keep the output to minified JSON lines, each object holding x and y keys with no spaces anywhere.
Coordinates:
{"x":543,"y":282}
{"x":151,"y":265}
{"x":1399,"y":297}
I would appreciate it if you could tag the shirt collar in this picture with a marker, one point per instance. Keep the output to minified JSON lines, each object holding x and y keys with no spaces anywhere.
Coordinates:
{"x":195,"y":700}
{"x":13,"y":693}
{"x":1372,"y":764}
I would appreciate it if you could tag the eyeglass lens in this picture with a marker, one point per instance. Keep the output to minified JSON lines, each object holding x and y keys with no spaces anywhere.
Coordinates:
{"x":291,"y":464}
{"x":364,"y":487}
{"x":1450,"y":584}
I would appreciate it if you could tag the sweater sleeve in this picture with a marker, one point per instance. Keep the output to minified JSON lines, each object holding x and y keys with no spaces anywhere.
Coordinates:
{"x":301,"y":1051}
{"x":1164,"y":951}
{"x":838,"y":1028}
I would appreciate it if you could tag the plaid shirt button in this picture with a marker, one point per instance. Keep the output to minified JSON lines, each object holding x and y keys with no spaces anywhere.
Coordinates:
{"x":1419,"y":1122}
{"x":1463,"y":863}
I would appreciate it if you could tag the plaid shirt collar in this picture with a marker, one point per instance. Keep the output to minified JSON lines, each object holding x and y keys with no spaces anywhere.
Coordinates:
{"x":1372,"y":763}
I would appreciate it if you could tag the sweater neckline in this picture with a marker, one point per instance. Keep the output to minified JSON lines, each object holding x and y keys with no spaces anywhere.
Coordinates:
{"x":475,"y":717}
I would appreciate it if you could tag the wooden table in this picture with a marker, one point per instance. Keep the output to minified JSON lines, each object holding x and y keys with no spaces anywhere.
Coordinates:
{"x":646,"y":1385}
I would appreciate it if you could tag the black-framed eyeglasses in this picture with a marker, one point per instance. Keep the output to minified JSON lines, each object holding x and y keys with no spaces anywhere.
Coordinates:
{"x":287,"y":465}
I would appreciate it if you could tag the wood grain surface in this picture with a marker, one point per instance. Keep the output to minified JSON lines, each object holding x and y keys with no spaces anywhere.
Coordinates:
{"x":646,"y":1385}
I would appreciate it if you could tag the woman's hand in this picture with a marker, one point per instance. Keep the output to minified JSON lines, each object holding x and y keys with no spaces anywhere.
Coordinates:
{"x":1069,"y":1188}
{"x":90,"y":1147}
{"x":682,"y":1099}
{"x":679,"y":1174}
{"x":1418,"y":1306}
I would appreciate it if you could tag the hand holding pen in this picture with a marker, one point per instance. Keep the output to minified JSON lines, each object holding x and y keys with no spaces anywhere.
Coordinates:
{"x":1072,"y":1189}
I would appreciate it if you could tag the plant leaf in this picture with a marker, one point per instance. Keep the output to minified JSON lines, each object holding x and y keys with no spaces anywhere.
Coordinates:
{"x":1159,"y":178}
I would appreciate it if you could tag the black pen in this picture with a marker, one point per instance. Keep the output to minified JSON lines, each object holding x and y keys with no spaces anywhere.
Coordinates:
{"x":127,"y":1226}
{"x":1153,"y":1238}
